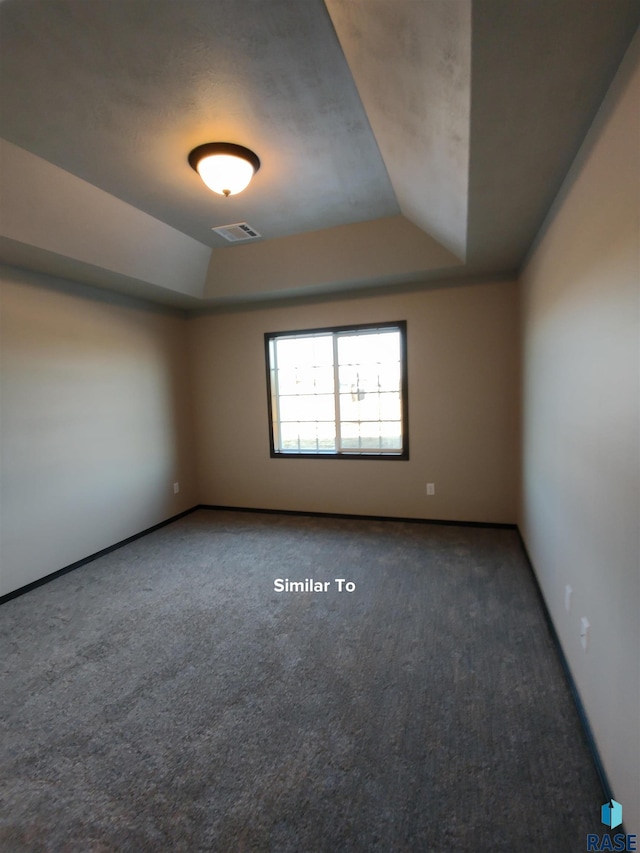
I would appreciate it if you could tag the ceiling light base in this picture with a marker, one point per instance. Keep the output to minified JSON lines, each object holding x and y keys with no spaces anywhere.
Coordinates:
{"x":226,"y":168}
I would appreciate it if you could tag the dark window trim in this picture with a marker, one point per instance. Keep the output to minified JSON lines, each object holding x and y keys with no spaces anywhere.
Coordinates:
{"x":401,"y":325}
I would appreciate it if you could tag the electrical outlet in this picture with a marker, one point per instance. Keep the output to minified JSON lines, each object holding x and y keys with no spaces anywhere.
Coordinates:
{"x":568,"y":591}
{"x":176,"y":488}
{"x":585,"y":629}
{"x":431,"y":488}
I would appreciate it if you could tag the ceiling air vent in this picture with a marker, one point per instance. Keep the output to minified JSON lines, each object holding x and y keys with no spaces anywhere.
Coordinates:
{"x":239,"y":231}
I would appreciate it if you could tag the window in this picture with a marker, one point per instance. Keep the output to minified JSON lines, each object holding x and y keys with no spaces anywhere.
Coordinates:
{"x":339,"y":393}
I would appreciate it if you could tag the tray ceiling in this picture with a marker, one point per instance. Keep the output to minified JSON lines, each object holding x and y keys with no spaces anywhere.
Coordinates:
{"x":400,"y":140}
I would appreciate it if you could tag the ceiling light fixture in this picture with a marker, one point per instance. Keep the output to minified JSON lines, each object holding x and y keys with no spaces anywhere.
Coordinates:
{"x":224,"y":167}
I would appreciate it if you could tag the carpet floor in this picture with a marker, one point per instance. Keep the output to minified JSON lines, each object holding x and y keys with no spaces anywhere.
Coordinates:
{"x":165,"y":698}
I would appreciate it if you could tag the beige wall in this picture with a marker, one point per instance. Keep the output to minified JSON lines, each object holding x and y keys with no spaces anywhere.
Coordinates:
{"x":581,"y":430}
{"x":95,"y":423}
{"x":463,"y":374}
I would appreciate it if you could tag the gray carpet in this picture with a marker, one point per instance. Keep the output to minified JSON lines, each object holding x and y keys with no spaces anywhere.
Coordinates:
{"x":165,"y":698}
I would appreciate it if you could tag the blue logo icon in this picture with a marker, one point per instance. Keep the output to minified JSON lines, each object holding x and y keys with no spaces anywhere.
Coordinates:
{"x":612,"y":814}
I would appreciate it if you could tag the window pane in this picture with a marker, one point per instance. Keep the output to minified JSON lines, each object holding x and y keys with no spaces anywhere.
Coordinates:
{"x":349,"y":408}
{"x":307,"y":407}
{"x":370,"y":436}
{"x":369,"y":348}
{"x":323,"y":350}
{"x":287,"y":381}
{"x":370,"y":407}
{"x":348,"y":378}
{"x":323,"y":379}
{"x":350,"y":434}
{"x":289,"y":436}
{"x":388,"y":346}
{"x":389,"y":376}
{"x":324,"y":408}
{"x":308,"y":437}
{"x":391,"y":435}
{"x":301,"y":380}
{"x":294,"y":352}
{"x":317,"y":436}
{"x":369,"y":392}
{"x":383,"y":435}
{"x":358,"y":379}
{"x":307,"y":351}
{"x":348,"y":352}
{"x":293,"y":408}
{"x":365,"y":436}
{"x":357,"y":349}
{"x":326,"y":436}
{"x":390,"y":408}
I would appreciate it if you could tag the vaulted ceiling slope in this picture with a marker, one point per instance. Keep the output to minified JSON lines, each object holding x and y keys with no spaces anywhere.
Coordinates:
{"x":400,"y":140}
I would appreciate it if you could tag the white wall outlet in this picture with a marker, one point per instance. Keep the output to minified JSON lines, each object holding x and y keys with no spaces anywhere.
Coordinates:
{"x":176,"y":488}
{"x":568,"y":591}
{"x":431,"y":488}
{"x":585,"y":629}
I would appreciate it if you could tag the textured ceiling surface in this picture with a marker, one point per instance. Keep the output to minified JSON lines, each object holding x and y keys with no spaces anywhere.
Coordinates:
{"x":427,"y":137}
{"x":119,"y":92}
{"x":412,"y":65}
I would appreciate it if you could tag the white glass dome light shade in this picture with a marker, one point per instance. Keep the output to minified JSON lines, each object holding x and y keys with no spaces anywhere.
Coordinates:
{"x":224,"y":167}
{"x":225,"y":174}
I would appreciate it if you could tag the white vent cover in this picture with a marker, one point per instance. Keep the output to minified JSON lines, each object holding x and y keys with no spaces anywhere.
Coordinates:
{"x":239,"y":231}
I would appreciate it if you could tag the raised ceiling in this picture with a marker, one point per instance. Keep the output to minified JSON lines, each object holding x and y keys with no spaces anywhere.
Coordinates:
{"x":400,"y":140}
